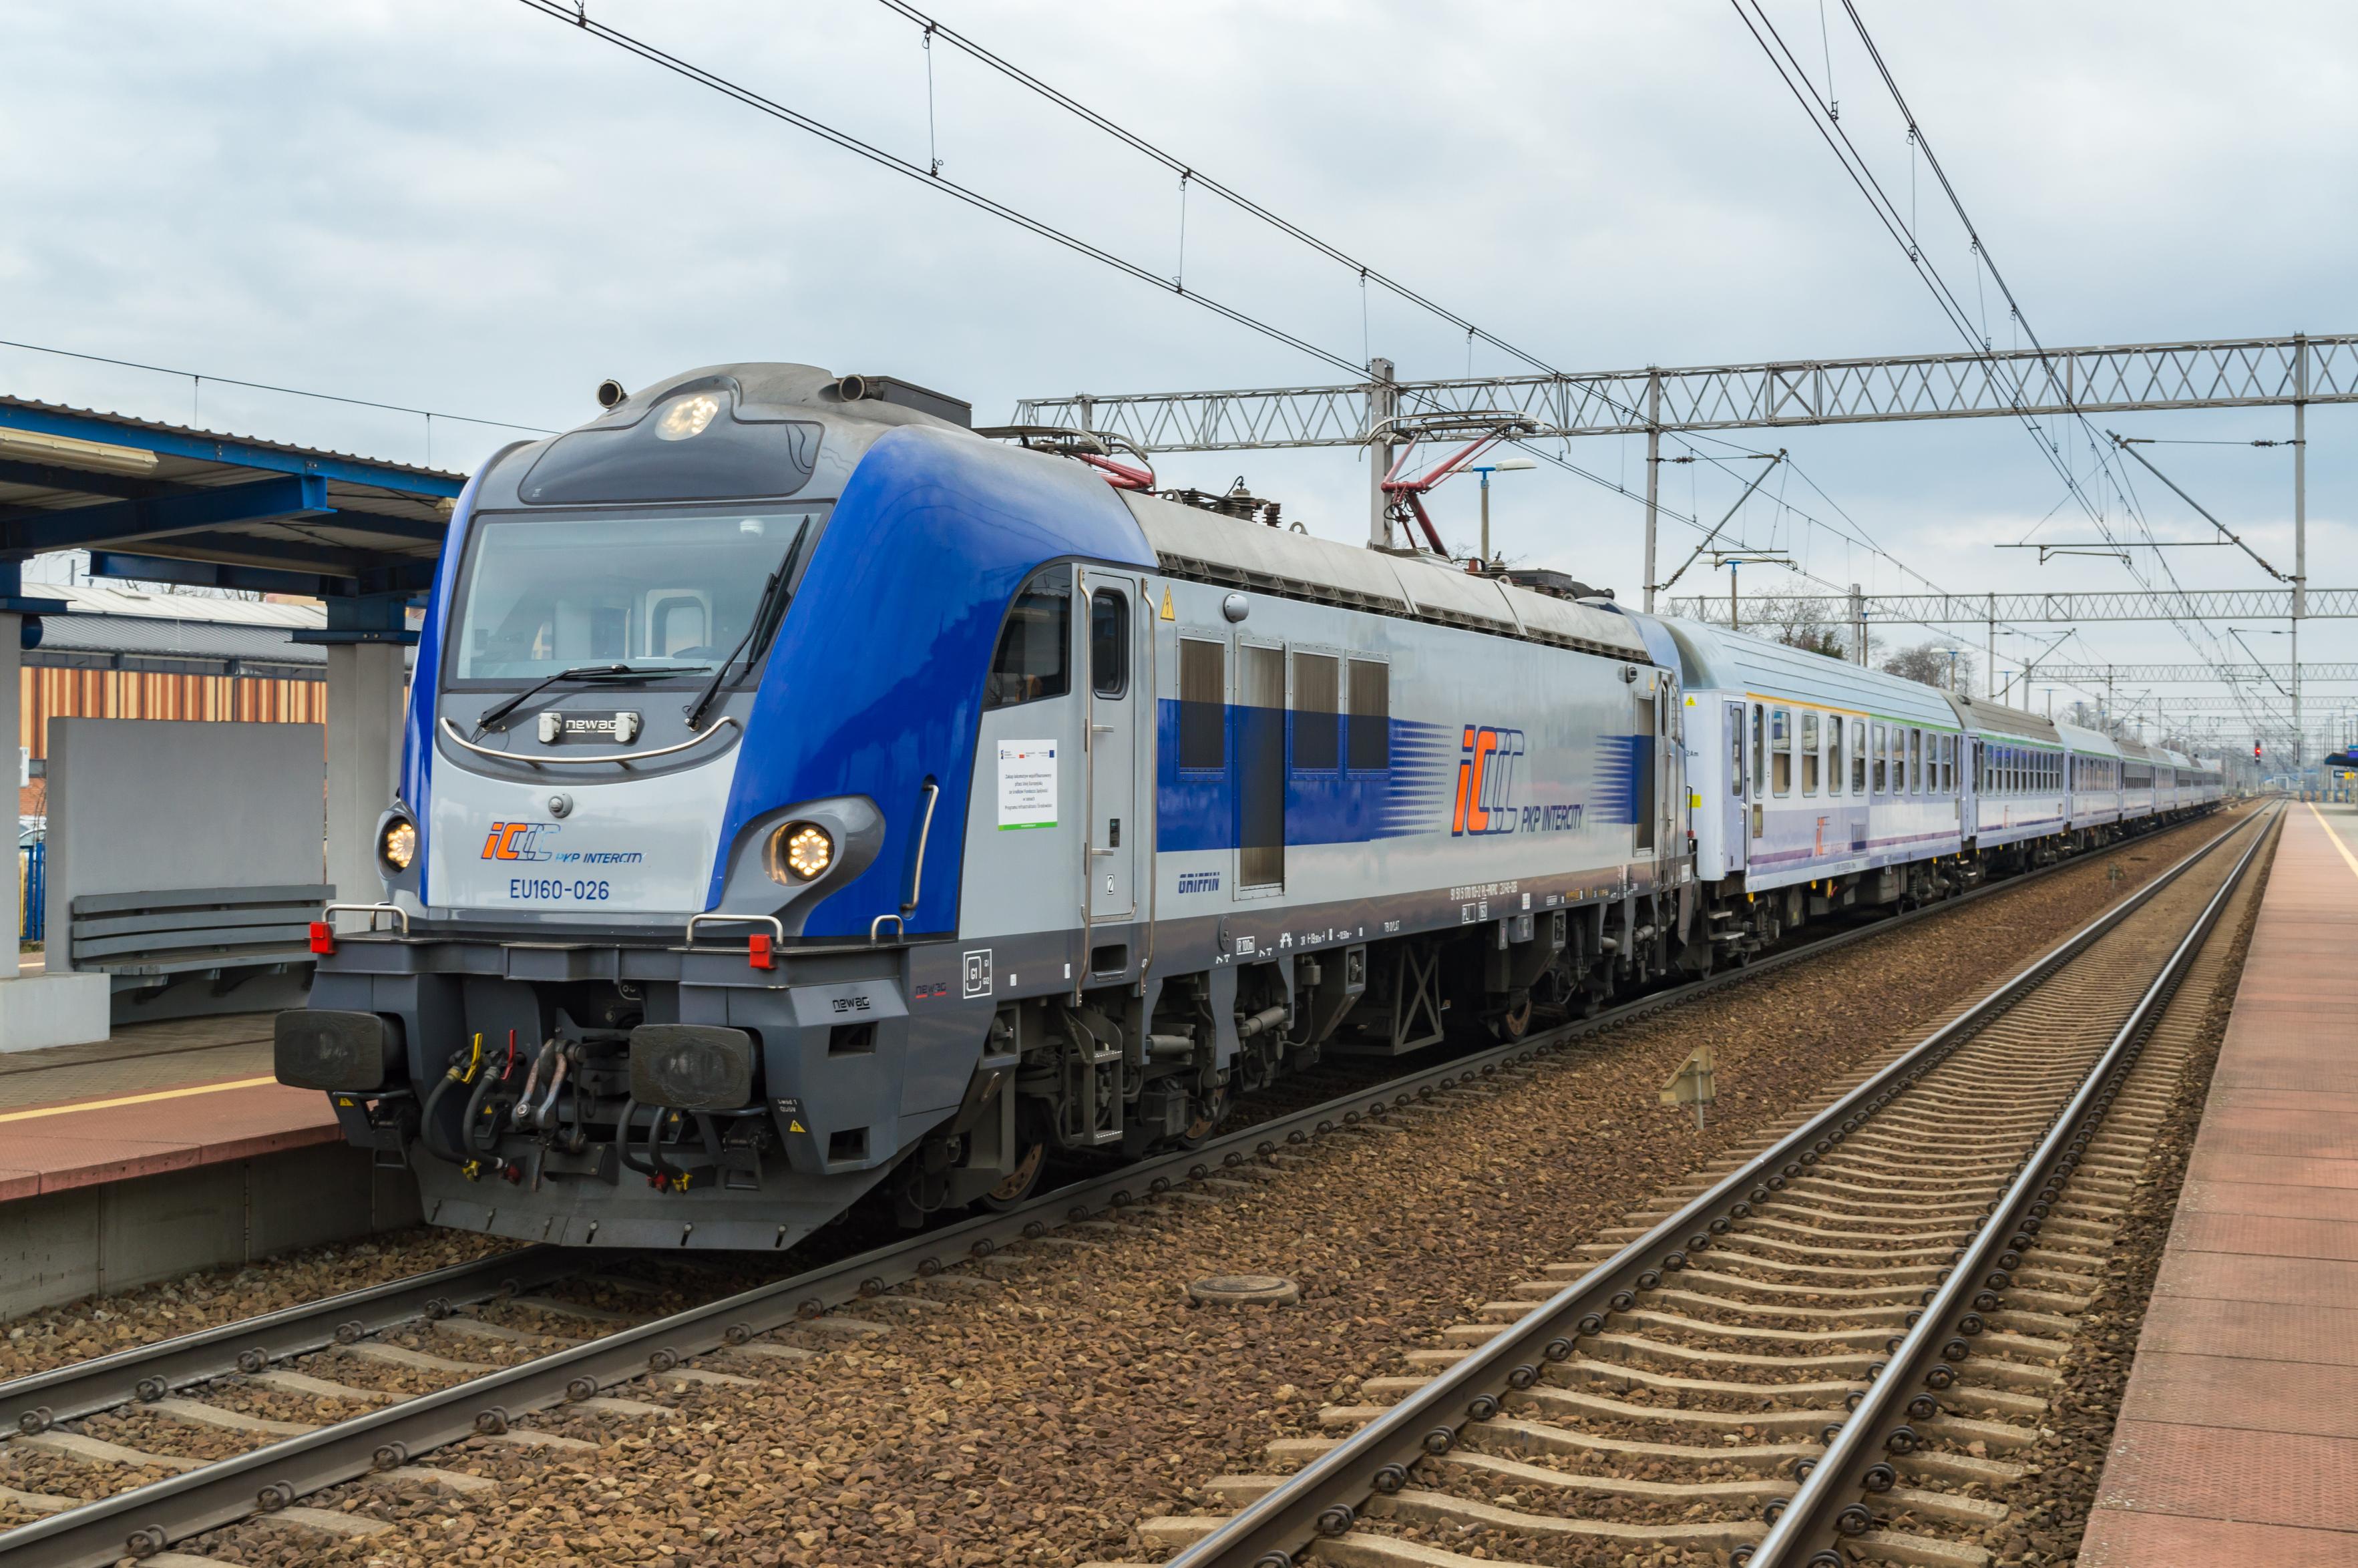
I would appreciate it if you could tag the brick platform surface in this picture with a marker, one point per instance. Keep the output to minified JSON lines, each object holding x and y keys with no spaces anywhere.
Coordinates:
{"x":2238,"y":1433}
{"x":157,"y":1097}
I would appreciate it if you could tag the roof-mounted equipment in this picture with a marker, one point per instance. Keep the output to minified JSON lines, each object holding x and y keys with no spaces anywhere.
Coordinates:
{"x":1091,"y":447}
{"x":1238,"y":502}
{"x":905,"y":394}
{"x":1486,"y":426}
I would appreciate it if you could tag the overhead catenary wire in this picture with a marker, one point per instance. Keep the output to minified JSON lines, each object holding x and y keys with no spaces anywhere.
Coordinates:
{"x":1176,"y":165}
{"x":2118,"y":479}
{"x":1826,"y":124}
{"x":1045,"y":230}
{"x":268,"y":387}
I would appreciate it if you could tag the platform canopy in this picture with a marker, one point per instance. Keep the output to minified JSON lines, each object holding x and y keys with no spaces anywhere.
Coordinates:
{"x":169,"y":503}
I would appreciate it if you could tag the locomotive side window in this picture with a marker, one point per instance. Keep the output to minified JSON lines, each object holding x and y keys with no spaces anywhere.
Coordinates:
{"x":1858,"y":756}
{"x":1780,"y":751}
{"x":1203,"y":705}
{"x":1371,"y":724}
{"x":1034,"y":656}
{"x":1109,"y":643}
{"x":1809,"y":753}
{"x":1317,"y":731}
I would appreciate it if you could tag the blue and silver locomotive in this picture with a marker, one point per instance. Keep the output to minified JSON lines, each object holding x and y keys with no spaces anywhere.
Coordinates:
{"x":804,"y":796}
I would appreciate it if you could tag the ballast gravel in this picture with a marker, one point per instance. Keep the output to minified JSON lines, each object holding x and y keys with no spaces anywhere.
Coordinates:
{"x":1067,"y":1392}
{"x":101,"y":1325}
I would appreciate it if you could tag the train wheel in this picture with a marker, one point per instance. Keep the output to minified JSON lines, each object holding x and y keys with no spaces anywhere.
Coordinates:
{"x":1512,"y":1023}
{"x":1213,"y":1111}
{"x":1020,"y":1181}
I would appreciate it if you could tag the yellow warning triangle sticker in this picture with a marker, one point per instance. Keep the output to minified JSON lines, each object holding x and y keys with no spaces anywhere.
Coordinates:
{"x":794,"y":1127}
{"x":1167,"y":615}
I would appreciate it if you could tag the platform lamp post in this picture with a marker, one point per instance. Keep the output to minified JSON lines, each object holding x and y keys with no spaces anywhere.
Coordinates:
{"x":1513,"y":463}
{"x":1732,"y":559}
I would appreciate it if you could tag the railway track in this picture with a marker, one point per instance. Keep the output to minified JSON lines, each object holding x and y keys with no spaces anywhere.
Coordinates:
{"x":1833,"y":1350}
{"x":441,"y":1327}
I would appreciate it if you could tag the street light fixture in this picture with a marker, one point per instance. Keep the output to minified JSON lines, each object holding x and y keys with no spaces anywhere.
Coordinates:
{"x":1512,"y":463}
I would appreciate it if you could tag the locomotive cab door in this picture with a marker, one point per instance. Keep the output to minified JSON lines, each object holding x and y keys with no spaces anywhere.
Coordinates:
{"x":1117,"y":695}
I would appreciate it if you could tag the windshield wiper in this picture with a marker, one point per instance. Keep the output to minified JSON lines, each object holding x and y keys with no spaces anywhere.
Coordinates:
{"x":588,"y":674}
{"x":766,"y":614}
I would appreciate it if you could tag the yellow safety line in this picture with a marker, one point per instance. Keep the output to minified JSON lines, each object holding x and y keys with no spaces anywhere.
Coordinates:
{"x":2348,"y":859}
{"x":147,"y":1100}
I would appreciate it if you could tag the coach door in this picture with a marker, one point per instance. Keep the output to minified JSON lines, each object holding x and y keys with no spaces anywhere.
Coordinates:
{"x":1671,"y":744}
{"x":1116,"y":698}
{"x":1731,"y":804}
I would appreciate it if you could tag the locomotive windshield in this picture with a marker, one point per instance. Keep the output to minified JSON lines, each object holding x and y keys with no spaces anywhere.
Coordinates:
{"x":541,"y":595}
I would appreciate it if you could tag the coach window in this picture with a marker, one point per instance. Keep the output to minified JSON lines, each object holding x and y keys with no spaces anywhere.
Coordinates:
{"x":1109,"y":643}
{"x":1369,"y":742}
{"x":1915,"y":761}
{"x":1760,"y":755}
{"x":1809,"y":743}
{"x":1858,"y":756}
{"x":1736,"y":759}
{"x":1034,"y":656}
{"x":1882,"y":771}
{"x":1317,"y":732}
{"x":1202,"y":706}
{"x":1833,"y":754}
{"x":1780,"y":751}
{"x":1947,"y":764}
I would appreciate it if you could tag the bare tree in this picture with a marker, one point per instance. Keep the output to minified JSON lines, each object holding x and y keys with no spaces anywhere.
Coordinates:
{"x":1935,"y":664}
{"x":1799,"y":620}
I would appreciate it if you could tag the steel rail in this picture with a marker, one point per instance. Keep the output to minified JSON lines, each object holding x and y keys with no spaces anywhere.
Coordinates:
{"x":1826,"y":1509}
{"x":37,"y":1401}
{"x":1324,"y":1498}
{"x":146,"y":1520}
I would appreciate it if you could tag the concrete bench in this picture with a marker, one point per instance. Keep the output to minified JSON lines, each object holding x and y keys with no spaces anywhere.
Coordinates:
{"x":144,"y":941}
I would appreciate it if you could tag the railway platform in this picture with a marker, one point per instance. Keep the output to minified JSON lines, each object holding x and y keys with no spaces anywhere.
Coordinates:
{"x":2237,"y":1440}
{"x":167,"y":1148}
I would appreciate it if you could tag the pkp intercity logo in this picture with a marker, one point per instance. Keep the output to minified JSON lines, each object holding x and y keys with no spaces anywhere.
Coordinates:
{"x":1486,"y":781}
{"x":519,"y":841}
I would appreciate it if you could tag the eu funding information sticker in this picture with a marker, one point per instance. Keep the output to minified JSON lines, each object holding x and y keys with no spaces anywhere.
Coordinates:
{"x":1027,"y":783}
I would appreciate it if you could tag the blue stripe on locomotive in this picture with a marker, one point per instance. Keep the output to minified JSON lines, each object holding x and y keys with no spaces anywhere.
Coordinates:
{"x":425,"y":680}
{"x":875,"y":683}
{"x":1201,"y":808}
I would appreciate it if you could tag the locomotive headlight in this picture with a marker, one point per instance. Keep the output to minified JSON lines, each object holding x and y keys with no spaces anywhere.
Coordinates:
{"x":800,"y":852}
{"x":685,"y":417}
{"x":398,"y":846}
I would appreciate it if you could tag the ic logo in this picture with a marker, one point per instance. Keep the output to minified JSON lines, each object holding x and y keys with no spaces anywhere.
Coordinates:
{"x":514,"y":841}
{"x":1486,"y":781}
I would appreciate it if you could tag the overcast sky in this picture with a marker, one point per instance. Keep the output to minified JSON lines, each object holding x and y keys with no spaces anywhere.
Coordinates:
{"x":461,"y":205}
